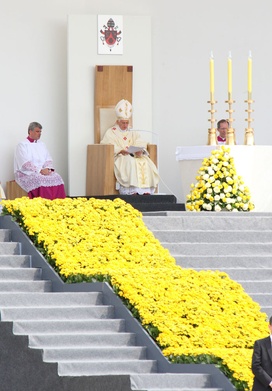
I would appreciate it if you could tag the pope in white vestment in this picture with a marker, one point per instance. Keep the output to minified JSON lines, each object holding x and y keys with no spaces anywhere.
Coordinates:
{"x":134,"y":170}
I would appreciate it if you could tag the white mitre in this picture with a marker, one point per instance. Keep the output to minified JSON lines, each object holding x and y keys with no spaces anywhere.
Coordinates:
{"x":123,"y":109}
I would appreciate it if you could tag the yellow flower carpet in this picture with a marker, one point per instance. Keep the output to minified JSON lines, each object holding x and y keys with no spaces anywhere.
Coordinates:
{"x":193,"y":316}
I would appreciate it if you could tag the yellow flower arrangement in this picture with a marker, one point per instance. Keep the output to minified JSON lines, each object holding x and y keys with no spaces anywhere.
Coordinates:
{"x":218,"y":186}
{"x":193,"y":316}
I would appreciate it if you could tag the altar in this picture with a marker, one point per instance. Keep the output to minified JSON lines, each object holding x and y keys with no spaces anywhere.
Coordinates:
{"x":252,"y":163}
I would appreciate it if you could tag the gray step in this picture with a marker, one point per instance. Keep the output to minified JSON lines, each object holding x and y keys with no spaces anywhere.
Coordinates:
{"x":264,"y":299}
{"x":22,"y":274}
{"x":5,"y":235}
{"x":68,"y":326}
{"x":51,"y":299}
{"x":170,"y":380}
{"x":246,"y":273}
{"x":58,"y":313}
{"x":222,"y":213}
{"x":97,"y":368}
{"x":256,"y":286}
{"x":44,"y":341}
{"x":218,"y":248}
{"x":267,"y":309}
{"x":95,"y":354}
{"x":25,"y":286}
{"x":217,"y":261}
{"x":10,"y":248}
{"x":218,"y":236}
{"x":214,"y":221}
{"x":185,"y":389}
{"x":7,"y":261}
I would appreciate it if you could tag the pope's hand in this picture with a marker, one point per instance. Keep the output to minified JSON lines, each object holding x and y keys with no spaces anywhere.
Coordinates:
{"x":123,"y":152}
{"x":138,"y":154}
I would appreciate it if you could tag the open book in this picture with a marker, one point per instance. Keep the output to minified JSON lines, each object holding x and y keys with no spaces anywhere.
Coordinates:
{"x":132,"y":149}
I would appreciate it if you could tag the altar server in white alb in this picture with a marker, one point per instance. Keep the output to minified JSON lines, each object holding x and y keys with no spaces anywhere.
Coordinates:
{"x":134,"y":170}
{"x":33,"y":167}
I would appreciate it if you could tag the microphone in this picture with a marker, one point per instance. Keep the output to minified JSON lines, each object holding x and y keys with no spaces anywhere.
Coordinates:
{"x":147,"y":131}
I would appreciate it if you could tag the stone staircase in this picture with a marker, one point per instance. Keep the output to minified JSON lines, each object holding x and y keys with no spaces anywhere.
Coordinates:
{"x":239,"y":244}
{"x":51,"y":339}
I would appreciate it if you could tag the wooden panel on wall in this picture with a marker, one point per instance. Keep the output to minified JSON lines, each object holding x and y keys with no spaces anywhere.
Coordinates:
{"x":112,"y":83}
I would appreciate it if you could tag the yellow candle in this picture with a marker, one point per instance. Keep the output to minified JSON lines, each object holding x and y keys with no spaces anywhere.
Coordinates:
{"x":249,"y":75}
{"x":211,"y":74}
{"x":229,"y":74}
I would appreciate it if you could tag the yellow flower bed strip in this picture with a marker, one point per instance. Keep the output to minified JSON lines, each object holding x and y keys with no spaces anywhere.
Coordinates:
{"x":193,"y":316}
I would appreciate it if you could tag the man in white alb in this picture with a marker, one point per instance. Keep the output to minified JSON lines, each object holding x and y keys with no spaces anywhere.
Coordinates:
{"x":33,"y":167}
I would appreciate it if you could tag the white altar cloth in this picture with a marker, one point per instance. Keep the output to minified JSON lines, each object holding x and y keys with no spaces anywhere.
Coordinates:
{"x":252,"y":163}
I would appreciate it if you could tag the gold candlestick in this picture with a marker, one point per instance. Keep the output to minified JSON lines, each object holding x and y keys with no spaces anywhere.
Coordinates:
{"x":231,"y":139}
{"x":249,"y":132}
{"x":212,"y":138}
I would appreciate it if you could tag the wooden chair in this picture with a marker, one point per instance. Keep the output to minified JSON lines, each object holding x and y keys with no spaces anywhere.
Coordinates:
{"x":112,"y":83}
{"x":100,"y":158}
{"x":13,"y":190}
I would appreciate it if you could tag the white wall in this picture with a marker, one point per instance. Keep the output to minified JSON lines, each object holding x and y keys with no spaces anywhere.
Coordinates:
{"x":82,"y":60}
{"x":33,"y":77}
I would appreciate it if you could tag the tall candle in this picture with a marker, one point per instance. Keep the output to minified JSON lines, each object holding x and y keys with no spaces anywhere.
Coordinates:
{"x":211,"y":75}
{"x":249,"y":75}
{"x":229,"y":74}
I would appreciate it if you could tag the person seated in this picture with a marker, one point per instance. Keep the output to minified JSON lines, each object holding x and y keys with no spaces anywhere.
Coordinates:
{"x":222,"y":128}
{"x":2,"y":193}
{"x":2,"y":196}
{"x":134,"y":170}
{"x":33,"y":167}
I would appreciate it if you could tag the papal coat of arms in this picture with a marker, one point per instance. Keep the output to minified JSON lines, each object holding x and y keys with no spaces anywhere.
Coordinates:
{"x":110,"y":34}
